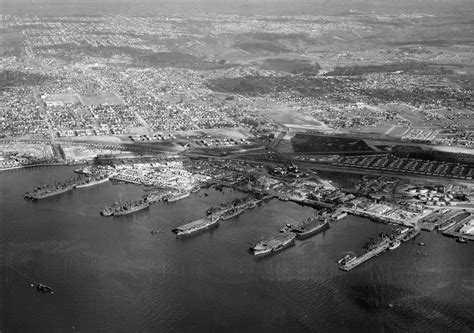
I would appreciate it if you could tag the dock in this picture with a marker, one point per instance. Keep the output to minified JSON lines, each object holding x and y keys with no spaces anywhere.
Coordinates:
{"x":307,"y":202}
{"x":401,"y":236}
{"x":454,"y":231}
{"x":377,"y":217}
{"x":196,"y":226}
{"x":366,"y":256}
{"x":433,"y":220}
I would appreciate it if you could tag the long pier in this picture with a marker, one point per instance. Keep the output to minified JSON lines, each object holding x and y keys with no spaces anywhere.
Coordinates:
{"x":366,"y":256}
{"x":435,"y":219}
{"x":377,"y":217}
{"x":454,"y":230}
{"x":307,"y":202}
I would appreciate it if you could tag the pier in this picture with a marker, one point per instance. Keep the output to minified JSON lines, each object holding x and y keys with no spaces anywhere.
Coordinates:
{"x":366,"y":256}
{"x":455,"y":230}
{"x":377,"y":217}
{"x":384,"y":244}
{"x":435,"y":219}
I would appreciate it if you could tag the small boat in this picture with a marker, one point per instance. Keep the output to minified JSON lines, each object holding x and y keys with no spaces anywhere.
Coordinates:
{"x":394,"y":245}
{"x":346,"y":259}
{"x":461,"y":240}
{"x":286,"y":228}
{"x":44,"y":288}
{"x":421,"y":244}
{"x":205,"y":194}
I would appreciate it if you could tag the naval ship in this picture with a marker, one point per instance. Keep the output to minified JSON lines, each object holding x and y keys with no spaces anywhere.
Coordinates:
{"x":273,"y":244}
{"x":311,"y":226}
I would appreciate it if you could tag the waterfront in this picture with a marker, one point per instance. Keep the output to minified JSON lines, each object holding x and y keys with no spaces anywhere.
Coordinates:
{"x":109,"y":273}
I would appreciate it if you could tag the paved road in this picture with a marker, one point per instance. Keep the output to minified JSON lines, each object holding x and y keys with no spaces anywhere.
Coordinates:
{"x":43,"y":110}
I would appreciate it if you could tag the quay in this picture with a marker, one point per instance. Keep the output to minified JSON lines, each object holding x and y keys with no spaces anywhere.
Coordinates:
{"x":376,"y":217}
{"x":435,"y":219}
{"x":307,"y":202}
{"x":366,"y":256}
{"x":384,"y":244}
{"x":456,"y":229}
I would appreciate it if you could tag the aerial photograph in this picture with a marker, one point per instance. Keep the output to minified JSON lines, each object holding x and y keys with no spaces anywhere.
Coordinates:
{"x":236,"y":166}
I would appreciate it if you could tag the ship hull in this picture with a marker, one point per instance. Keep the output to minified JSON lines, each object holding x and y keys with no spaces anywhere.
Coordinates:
{"x":311,"y":232}
{"x":92,"y":183}
{"x":196,"y":232}
{"x":273,"y":245}
{"x":179,"y":197}
{"x":446,"y":227}
{"x":49,"y":194}
{"x":394,"y":246}
{"x":233,"y":215}
{"x":130,"y":211}
{"x":274,"y":250}
{"x":185,"y":231}
{"x":410,"y":235}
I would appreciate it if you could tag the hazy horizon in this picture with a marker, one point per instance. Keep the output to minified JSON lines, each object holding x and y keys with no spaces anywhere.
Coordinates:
{"x":241,"y":7}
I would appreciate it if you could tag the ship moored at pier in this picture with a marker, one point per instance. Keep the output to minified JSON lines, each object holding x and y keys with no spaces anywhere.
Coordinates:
{"x":125,"y":207}
{"x":45,"y":191}
{"x":178,"y":196}
{"x":91,"y":181}
{"x":273,"y":244}
{"x":311,"y":226}
{"x":196,"y":226}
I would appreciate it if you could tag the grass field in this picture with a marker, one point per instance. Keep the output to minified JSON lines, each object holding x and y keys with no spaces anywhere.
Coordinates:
{"x":318,"y":143}
{"x":62,"y":98}
{"x":100,"y":99}
{"x":293,"y":66}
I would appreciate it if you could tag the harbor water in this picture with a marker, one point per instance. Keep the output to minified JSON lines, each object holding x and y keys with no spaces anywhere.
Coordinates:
{"x":113,"y":274}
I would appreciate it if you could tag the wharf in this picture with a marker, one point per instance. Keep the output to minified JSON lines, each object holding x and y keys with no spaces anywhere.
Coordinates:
{"x":377,"y":217}
{"x":233,"y":211}
{"x":310,"y":203}
{"x":157,"y":197}
{"x":366,"y":256}
{"x":121,"y":178}
{"x":435,"y":219}
{"x":454,"y":230}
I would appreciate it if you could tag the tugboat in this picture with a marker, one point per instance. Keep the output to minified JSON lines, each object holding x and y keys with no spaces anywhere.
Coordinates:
{"x":394,"y":245}
{"x":346,"y":259}
{"x":44,"y":288}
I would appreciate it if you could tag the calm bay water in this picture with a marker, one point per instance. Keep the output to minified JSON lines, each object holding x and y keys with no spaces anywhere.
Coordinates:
{"x":112,"y":274}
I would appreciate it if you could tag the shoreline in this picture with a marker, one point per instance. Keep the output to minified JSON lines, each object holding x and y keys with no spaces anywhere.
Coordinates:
{"x":32,"y":166}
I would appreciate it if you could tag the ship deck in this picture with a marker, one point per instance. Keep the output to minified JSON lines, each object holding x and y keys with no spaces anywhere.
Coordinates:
{"x":194,"y":225}
{"x":277,"y":240}
{"x":307,"y":226}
